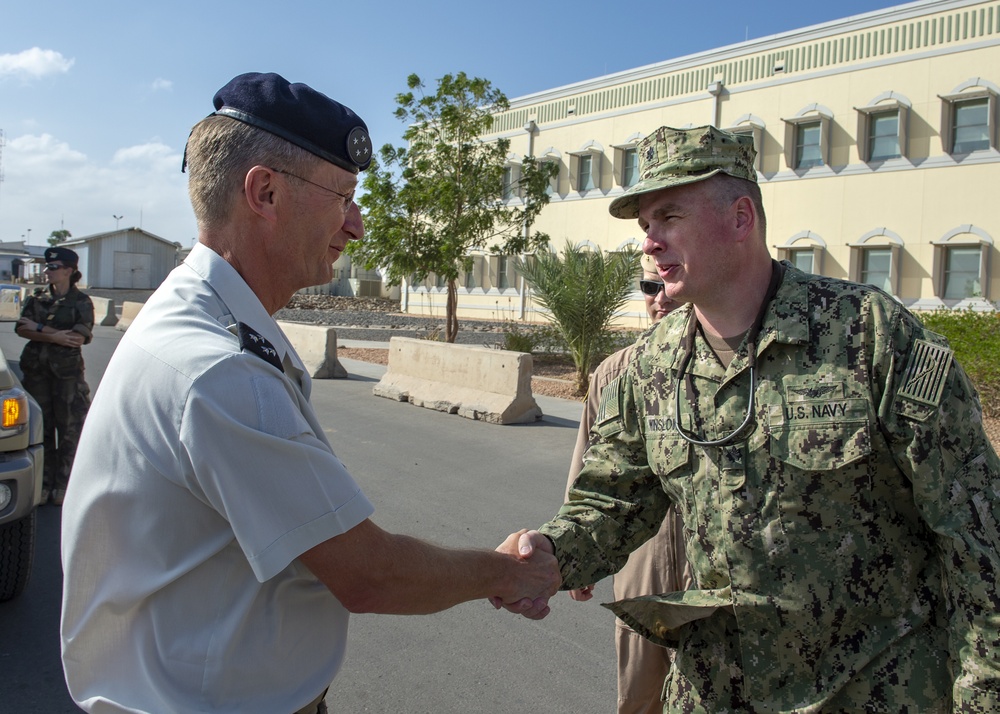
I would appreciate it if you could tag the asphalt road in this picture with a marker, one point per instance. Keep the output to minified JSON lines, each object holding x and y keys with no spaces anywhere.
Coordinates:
{"x":437,"y":476}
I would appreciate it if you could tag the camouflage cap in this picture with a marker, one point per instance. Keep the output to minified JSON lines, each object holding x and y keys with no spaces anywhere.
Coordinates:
{"x":673,"y":157}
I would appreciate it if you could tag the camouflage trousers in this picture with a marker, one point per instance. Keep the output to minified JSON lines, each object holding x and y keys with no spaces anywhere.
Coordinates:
{"x":64,"y":402}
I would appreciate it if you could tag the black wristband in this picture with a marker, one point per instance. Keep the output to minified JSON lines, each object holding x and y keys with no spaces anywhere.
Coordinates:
{"x":40,"y":327}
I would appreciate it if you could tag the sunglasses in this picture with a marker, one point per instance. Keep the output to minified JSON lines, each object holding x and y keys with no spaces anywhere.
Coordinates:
{"x":56,"y":266}
{"x":650,"y":287}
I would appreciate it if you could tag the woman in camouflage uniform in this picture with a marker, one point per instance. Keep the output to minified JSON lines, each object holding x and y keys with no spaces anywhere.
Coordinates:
{"x":56,"y":323}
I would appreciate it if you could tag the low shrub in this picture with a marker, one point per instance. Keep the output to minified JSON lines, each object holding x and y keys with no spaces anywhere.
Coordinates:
{"x":519,"y":339}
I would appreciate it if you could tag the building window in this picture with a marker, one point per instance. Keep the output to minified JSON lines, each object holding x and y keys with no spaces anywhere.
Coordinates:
{"x":876,"y":259}
{"x":962,"y":272}
{"x":876,"y":268}
{"x":807,"y":138}
{"x":970,"y":126}
{"x":808,"y":149}
{"x":585,"y":173}
{"x":883,"y":136}
{"x":969,"y":121}
{"x":626,"y":161}
{"x":553,"y":186}
{"x":585,"y":167}
{"x":508,"y":183}
{"x":630,"y":167}
{"x":882,"y":127}
{"x":804,"y":251}
{"x":473,"y":277}
{"x":803,"y":259}
{"x":500,"y":271}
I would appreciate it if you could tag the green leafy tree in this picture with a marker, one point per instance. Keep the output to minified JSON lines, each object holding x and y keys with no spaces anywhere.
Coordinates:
{"x":429,"y":204}
{"x":59,"y":236}
{"x":582,"y":292}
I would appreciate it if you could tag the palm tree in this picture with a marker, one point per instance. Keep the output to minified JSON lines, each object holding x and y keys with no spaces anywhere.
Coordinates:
{"x":582,"y":293}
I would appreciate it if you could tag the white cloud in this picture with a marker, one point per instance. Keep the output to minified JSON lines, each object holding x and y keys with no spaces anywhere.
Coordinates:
{"x":161,"y":85}
{"x":34,"y":63}
{"x":48,"y":184}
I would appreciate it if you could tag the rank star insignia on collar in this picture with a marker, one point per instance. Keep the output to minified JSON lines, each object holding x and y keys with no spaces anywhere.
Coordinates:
{"x":256,"y":344}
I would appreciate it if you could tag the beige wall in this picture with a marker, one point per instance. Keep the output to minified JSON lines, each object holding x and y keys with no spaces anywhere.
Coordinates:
{"x":916,"y":51}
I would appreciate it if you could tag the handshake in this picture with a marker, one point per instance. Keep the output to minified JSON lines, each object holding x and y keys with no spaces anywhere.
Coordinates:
{"x":537,"y":575}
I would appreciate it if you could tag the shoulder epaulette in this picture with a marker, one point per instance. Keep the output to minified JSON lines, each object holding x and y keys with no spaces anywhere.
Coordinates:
{"x":255,"y":343}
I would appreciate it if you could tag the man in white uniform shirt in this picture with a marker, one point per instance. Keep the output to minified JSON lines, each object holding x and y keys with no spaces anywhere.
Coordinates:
{"x":213,"y":544}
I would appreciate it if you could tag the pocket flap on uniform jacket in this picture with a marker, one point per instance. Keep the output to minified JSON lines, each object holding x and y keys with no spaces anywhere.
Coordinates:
{"x":657,"y":617}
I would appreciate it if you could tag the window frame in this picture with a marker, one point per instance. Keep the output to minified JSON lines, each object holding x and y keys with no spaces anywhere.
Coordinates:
{"x":515,"y":193}
{"x":950,"y":104}
{"x":552,"y":155}
{"x":478,"y":274}
{"x":801,"y":242}
{"x":967,"y":236}
{"x":879,"y":239}
{"x":866,"y":119}
{"x":591,"y":153}
{"x":814,"y":114}
{"x":496,"y":262}
{"x":621,"y":151}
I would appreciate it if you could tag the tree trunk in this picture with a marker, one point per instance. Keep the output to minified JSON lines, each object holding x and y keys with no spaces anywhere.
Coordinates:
{"x":451,"y":318}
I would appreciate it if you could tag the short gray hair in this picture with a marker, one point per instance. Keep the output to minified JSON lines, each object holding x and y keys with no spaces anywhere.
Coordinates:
{"x":727,"y":189}
{"x":220,"y":152}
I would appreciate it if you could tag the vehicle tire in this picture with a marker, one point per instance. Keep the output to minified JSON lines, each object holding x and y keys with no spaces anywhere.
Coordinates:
{"x":17,"y":551}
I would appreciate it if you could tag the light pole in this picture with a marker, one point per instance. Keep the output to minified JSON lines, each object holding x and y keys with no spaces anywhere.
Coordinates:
{"x":117,"y":218}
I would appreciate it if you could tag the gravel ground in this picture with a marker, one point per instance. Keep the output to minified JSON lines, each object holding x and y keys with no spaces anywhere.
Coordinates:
{"x":377,"y":316}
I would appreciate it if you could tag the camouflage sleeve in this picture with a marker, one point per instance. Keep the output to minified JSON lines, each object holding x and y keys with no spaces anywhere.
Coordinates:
{"x":30,"y":309}
{"x":616,"y":503}
{"x":931,"y":415}
{"x":85,"y":318}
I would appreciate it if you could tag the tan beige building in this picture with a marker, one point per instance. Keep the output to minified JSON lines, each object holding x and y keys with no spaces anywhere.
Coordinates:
{"x":878,"y":153}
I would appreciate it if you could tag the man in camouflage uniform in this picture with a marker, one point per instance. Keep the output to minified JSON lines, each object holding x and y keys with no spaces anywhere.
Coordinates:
{"x":56,"y":323}
{"x":827,"y":456}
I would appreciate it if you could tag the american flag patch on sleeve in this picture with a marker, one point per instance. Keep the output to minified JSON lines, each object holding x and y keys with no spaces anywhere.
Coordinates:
{"x":927,"y":373}
{"x":610,"y":407}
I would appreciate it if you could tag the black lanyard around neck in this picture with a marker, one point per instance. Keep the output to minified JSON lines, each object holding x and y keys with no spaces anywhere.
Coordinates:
{"x":684,"y":377}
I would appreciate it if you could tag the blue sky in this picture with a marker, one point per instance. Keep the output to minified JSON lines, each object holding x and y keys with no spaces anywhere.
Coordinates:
{"x":97,"y":98}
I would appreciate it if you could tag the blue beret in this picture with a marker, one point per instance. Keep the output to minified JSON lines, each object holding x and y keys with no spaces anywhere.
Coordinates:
{"x":67,"y":256}
{"x":299,"y":114}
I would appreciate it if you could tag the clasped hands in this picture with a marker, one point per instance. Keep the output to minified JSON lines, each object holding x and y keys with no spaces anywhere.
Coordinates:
{"x":539,"y":583}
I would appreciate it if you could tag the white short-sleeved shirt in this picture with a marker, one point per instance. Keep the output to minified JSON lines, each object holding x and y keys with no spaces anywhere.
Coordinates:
{"x":202,"y":474}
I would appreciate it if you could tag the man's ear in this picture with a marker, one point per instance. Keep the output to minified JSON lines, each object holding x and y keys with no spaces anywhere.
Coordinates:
{"x":744,"y":216}
{"x":261,"y":192}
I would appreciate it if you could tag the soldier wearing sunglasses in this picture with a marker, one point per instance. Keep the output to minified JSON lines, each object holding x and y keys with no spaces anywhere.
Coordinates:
{"x":57,"y":322}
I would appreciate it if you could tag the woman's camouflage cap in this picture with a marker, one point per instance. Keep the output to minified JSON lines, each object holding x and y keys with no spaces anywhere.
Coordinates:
{"x":673,"y":157}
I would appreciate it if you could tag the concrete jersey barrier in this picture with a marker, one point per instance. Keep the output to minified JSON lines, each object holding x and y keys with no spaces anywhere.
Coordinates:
{"x":475,"y":382}
{"x":316,"y":346}
{"x":104,"y":311}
